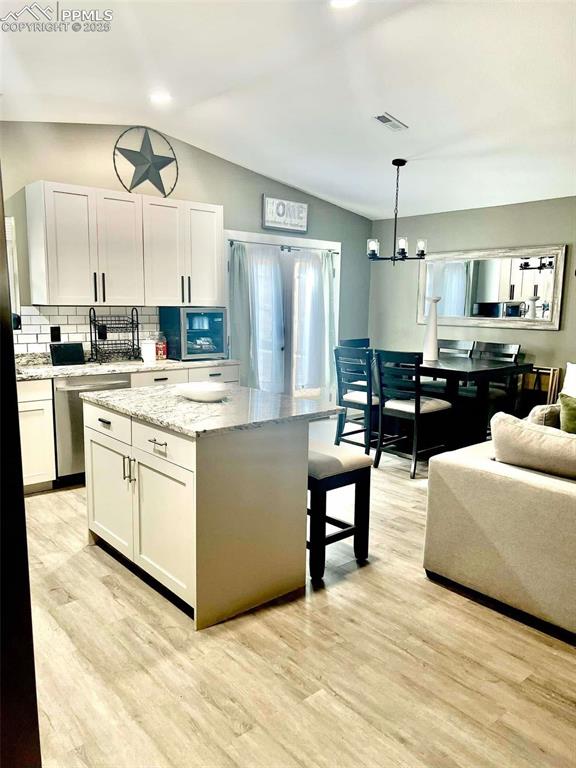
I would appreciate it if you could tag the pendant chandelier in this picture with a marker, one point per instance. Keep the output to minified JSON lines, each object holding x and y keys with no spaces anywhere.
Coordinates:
{"x":542,"y":264}
{"x":400,"y":244}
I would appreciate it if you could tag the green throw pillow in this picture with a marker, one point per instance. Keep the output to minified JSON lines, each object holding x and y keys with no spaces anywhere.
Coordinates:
{"x":567,"y":413}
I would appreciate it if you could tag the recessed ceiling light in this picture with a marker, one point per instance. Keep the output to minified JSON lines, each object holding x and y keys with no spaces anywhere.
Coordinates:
{"x":160,"y":98}
{"x":343,"y":3}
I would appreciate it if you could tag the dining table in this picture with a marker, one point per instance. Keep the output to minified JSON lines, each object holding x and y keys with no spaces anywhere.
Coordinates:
{"x":478,"y":371}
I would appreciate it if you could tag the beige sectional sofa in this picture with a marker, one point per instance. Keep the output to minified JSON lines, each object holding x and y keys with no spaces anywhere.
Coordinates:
{"x":505,"y":531}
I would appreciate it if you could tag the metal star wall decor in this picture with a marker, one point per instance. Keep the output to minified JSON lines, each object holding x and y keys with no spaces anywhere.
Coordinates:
{"x":155,"y":155}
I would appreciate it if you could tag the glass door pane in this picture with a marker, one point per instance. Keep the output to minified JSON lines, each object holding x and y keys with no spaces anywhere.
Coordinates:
{"x":204,"y":333}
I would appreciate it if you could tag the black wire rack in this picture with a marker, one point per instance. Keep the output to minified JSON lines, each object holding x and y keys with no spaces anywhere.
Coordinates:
{"x":114,"y":337}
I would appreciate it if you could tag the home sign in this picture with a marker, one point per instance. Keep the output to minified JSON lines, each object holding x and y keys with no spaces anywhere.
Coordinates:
{"x":284,"y":214}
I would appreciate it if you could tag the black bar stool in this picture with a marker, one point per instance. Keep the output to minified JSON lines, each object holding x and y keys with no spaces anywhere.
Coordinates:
{"x":331,"y":467}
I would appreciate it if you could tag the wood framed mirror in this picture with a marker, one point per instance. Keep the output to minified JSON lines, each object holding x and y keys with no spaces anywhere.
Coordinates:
{"x":497,"y":288}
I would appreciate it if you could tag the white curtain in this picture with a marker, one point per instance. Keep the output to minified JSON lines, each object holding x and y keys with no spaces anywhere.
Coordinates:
{"x":314,"y":321}
{"x":267,"y":316}
{"x":257,"y":315}
{"x":261,"y":277}
{"x":450,"y":281}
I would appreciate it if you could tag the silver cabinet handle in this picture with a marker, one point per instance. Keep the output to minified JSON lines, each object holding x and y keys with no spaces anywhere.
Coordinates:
{"x":125,"y":475}
{"x":157,"y":443}
{"x":131,"y":477}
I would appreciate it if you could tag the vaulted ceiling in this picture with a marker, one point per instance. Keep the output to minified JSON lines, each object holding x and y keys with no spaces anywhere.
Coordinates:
{"x":290,"y":89}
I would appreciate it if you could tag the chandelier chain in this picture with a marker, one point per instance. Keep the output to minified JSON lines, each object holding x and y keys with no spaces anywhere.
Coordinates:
{"x":397,"y":191}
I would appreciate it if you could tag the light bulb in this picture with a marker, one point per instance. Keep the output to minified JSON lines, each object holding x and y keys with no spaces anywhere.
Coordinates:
{"x":402,"y":243}
{"x":373,"y":246}
{"x":343,"y":3}
{"x":160,"y":98}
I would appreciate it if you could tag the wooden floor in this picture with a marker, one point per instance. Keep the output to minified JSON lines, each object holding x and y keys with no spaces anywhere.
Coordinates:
{"x":381,"y":668}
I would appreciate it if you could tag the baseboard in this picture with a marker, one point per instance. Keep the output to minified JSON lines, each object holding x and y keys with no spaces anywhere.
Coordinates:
{"x":507,"y":610}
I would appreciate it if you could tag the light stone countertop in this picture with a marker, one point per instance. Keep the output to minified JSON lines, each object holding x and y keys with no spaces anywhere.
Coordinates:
{"x":243,"y":408}
{"x":34,"y":372}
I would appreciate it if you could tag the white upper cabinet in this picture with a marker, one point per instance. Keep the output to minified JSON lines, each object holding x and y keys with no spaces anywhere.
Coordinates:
{"x":165,"y":263}
{"x":84,"y":245}
{"x":183,"y":253}
{"x":95,"y":246}
{"x":62,"y":243}
{"x":120,"y":252}
{"x":204,"y":245}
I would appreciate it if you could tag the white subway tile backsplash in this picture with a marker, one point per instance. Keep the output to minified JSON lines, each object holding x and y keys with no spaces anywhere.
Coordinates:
{"x":74,"y":325}
{"x":27,"y":338}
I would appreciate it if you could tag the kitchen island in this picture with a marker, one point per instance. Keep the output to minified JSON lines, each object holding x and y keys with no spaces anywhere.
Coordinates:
{"x":207,"y":498}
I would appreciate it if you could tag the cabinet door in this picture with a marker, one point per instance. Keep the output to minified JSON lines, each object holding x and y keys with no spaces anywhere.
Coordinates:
{"x":165,"y":523}
{"x":120,"y":257}
{"x":109,"y":490}
{"x":37,"y":441}
{"x":204,"y":242}
{"x":71,"y":243}
{"x":165,"y":265}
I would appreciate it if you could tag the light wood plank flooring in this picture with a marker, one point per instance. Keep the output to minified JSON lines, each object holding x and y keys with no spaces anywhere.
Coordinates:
{"x":383,"y":668}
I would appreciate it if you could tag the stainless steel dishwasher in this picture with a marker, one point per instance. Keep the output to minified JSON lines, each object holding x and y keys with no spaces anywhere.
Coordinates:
{"x":69,"y":424}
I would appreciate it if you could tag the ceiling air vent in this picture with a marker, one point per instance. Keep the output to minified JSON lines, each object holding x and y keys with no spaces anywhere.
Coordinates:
{"x":392,"y":123}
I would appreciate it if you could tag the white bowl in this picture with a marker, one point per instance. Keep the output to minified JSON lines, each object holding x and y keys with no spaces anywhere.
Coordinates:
{"x":204,"y":391}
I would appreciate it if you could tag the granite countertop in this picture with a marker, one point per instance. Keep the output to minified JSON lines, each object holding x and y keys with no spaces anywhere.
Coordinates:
{"x":34,"y":372}
{"x":243,"y":408}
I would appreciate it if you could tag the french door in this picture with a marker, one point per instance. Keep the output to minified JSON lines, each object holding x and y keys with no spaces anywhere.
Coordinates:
{"x":284,"y":317}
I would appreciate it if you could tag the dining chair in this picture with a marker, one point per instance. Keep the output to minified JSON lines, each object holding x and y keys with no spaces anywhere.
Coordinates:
{"x":455,"y":348}
{"x":355,"y":391}
{"x":503,"y":390}
{"x":361,"y":343}
{"x":494,"y":350}
{"x":401,"y":397}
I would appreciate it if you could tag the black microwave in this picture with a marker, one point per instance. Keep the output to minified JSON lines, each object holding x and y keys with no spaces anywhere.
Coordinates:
{"x":194,"y":333}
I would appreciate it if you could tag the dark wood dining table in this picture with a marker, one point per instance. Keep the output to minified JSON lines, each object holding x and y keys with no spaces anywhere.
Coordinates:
{"x":481,"y":372}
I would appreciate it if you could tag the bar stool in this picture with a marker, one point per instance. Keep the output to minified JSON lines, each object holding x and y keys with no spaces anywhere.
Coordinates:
{"x":331,"y":467}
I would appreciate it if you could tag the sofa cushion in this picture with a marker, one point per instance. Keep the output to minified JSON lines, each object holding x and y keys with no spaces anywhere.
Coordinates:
{"x":533,"y":446}
{"x":545,"y":415}
{"x":567,"y":413}
{"x":569,"y":385}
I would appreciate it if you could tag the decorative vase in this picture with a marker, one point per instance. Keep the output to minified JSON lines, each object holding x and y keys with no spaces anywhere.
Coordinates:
{"x":531,"y":313}
{"x":431,"y":338}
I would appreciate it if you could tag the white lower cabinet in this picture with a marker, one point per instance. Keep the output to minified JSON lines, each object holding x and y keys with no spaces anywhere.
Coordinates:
{"x":145,"y":509}
{"x":36,"y":418}
{"x":164,"y":523}
{"x":226,"y":373}
{"x":109,"y":502}
{"x":151,"y":378}
{"x":37,"y":441}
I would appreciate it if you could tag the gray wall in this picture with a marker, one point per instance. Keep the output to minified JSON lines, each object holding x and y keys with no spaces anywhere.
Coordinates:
{"x":393,"y":289}
{"x":82,"y":154}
